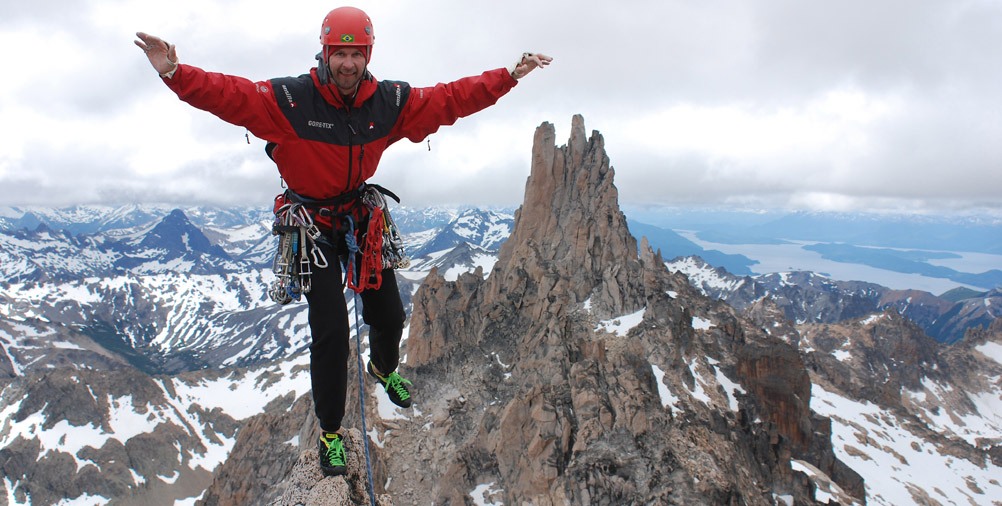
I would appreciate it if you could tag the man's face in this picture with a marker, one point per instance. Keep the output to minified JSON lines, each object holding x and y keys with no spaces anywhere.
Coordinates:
{"x":347,"y":64}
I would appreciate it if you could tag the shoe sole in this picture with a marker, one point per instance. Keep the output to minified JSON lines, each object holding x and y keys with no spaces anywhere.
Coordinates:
{"x":332,"y":473}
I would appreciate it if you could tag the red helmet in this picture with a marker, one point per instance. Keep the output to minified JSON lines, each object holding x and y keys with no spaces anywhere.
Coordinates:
{"x":348,"y":26}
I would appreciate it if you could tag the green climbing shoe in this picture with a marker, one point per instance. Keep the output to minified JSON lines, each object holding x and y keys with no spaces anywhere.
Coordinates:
{"x":332,"y":457}
{"x":395,"y":386}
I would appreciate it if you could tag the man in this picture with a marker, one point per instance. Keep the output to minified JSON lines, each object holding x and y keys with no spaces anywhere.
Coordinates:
{"x":326,"y":131}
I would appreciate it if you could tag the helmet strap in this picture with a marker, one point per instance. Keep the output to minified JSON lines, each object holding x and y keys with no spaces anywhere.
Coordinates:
{"x":323,"y":68}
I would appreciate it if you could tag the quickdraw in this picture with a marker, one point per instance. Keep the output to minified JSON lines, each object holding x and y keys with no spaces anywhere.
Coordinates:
{"x":297,"y":253}
{"x":381,"y":245}
{"x":381,"y":224}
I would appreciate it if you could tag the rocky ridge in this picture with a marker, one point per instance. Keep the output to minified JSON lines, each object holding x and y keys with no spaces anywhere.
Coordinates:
{"x":807,"y":297}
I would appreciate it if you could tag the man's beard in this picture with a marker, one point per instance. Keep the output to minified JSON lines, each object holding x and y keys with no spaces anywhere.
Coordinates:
{"x":348,"y":83}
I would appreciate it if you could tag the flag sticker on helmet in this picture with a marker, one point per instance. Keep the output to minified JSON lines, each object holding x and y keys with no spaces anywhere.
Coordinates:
{"x":347,"y":37}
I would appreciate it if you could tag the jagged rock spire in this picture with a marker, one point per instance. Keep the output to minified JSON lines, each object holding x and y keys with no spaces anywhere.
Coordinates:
{"x":570,"y":234}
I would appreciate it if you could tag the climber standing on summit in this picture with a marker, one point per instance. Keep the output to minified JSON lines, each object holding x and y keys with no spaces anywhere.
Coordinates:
{"x":326,"y":131}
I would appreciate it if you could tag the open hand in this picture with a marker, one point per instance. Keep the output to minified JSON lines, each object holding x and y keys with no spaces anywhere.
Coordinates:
{"x":162,"y":55}
{"x":530,"y":62}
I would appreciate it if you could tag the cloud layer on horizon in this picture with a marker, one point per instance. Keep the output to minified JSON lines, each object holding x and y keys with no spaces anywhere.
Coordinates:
{"x":847,"y":106}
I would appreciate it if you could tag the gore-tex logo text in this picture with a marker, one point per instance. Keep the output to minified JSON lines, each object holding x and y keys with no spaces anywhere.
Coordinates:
{"x":288,"y":96}
{"x":320,"y":124}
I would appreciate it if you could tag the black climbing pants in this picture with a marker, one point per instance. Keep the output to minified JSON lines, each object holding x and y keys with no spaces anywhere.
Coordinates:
{"x":382,"y":310}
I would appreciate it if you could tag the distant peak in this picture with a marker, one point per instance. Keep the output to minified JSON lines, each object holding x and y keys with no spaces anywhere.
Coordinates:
{"x":178,"y":215}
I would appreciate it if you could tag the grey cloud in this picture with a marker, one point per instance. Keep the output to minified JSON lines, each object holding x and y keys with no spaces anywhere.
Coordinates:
{"x":936,"y":61}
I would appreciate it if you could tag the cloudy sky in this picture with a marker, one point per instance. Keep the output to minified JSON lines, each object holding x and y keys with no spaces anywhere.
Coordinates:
{"x":890,"y":105}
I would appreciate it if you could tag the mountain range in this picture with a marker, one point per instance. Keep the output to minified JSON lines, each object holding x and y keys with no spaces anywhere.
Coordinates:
{"x":558,"y":360}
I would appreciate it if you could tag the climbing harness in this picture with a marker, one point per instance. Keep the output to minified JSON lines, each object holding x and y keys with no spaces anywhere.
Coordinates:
{"x":372,"y":239}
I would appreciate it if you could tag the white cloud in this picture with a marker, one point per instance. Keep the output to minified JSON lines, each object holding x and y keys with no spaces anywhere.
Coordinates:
{"x":847,"y":105}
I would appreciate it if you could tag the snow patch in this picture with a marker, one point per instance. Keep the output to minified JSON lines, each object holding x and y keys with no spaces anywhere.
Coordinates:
{"x":730,"y":388}
{"x":483,"y":495}
{"x":668,"y":399}
{"x":895,"y":461}
{"x":991,"y":350}
{"x":622,"y":325}
{"x":701,"y":323}
{"x":698,"y":392}
{"x":703,"y":276}
{"x":375,"y":438}
{"x":479,"y":260}
{"x":83,"y":500}
{"x":170,"y":480}
{"x":825,"y":490}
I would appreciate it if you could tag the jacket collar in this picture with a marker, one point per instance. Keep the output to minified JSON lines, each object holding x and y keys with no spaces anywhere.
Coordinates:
{"x":366,"y":89}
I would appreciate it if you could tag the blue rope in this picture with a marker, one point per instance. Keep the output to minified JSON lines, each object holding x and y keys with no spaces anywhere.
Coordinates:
{"x":352,"y":246}
{"x":361,"y":403}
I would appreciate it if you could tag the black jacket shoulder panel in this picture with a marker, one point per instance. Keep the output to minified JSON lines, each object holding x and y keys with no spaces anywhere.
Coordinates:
{"x":312,"y":118}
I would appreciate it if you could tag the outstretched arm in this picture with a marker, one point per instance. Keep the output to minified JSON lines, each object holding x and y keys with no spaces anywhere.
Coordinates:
{"x":428,"y":109}
{"x":233,"y":99}
{"x":162,"y":55}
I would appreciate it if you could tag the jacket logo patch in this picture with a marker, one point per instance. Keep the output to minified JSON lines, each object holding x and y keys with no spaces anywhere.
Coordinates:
{"x":288,"y":96}
{"x":320,"y":124}
{"x":397,"y":86}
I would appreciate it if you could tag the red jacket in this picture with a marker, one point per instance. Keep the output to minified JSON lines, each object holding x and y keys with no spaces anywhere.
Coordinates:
{"x":325,"y":148}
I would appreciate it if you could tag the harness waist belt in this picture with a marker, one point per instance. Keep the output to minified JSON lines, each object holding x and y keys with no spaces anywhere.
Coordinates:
{"x":339,"y":200}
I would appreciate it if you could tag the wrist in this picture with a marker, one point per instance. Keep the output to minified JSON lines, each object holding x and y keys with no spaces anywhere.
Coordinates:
{"x":513,"y":68}
{"x":170,"y":73}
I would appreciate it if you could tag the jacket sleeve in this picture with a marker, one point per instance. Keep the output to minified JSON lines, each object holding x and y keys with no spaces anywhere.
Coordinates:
{"x":427,"y":109}
{"x":233,"y":99}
